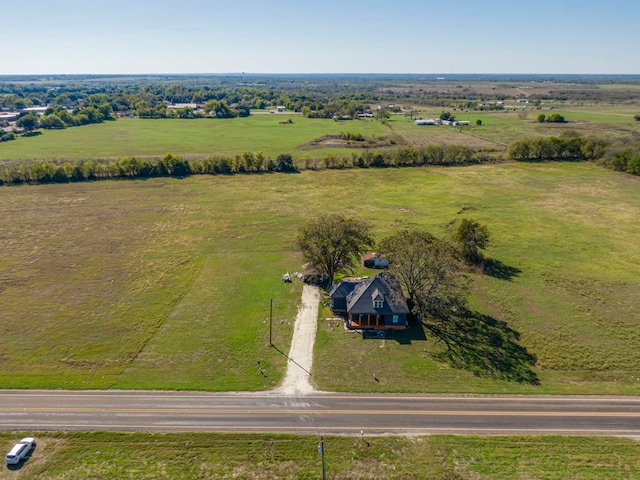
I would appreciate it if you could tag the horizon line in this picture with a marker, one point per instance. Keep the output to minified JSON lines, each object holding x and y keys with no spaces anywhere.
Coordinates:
{"x":443,"y":74}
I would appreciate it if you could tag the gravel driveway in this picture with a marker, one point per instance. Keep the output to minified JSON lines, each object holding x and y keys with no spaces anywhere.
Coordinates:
{"x":296,"y":381}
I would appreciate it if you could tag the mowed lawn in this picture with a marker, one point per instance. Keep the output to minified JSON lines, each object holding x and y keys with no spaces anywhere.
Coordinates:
{"x":206,"y":456}
{"x":166,"y":283}
{"x":127,"y":137}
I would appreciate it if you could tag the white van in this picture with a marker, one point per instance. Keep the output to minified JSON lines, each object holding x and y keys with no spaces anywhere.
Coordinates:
{"x":20,"y":450}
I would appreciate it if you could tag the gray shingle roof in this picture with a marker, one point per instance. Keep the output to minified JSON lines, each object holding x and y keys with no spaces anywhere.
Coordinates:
{"x":360,"y":300}
{"x":342,"y":289}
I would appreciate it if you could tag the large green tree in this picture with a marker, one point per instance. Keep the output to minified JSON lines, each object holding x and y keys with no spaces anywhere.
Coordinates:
{"x":428,"y":271}
{"x":382,"y":114}
{"x":28,"y":122}
{"x":332,"y":242}
{"x":52,"y":121}
{"x":219,"y":109}
{"x":470,"y":236}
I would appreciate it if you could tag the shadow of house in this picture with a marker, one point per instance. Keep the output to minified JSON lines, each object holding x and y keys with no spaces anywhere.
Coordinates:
{"x":413,"y":333}
{"x":376,"y":304}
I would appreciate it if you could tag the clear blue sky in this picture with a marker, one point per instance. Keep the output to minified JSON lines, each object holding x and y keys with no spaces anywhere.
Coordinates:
{"x":302,"y":36}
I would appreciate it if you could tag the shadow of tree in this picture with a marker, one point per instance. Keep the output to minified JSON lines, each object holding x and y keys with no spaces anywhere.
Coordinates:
{"x":485,"y":346}
{"x":497,"y":269}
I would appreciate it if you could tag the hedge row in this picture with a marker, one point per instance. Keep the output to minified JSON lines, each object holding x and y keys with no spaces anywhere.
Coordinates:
{"x":622,"y":154}
{"x":248,"y":162}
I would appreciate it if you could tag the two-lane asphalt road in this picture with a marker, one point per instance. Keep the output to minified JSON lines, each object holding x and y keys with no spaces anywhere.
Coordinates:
{"x":318,"y":413}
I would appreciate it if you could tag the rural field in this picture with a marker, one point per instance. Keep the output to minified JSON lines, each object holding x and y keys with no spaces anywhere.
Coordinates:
{"x":271,"y":134}
{"x":501,"y":127}
{"x":113,"y":456}
{"x":127,"y":137}
{"x":165,"y":283}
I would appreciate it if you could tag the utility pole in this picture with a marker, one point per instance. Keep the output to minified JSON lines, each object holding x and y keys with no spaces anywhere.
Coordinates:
{"x":321,"y":451}
{"x":270,"y":322}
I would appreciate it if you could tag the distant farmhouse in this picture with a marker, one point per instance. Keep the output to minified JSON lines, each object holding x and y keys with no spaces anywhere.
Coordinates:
{"x":438,"y":121}
{"x":176,"y":106}
{"x":429,"y":121}
{"x":376,"y":304}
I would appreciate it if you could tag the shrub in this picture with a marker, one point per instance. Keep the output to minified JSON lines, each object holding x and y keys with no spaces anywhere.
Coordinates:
{"x":284,"y":163}
{"x":556,"y":118}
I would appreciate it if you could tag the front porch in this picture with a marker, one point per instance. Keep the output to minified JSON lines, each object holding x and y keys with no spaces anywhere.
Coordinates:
{"x":368,"y":321}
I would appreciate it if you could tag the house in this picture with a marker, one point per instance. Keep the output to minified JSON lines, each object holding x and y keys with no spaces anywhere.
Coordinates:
{"x":281,"y":109}
{"x":429,"y":121}
{"x":9,"y":116}
{"x":376,"y":304}
{"x":339,"y":294}
{"x":373,"y":260}
{"x":36,"y":110}
{"x":175,"y":106}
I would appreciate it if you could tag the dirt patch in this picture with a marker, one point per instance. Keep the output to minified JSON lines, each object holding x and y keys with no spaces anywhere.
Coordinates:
{"x":337,"y":141}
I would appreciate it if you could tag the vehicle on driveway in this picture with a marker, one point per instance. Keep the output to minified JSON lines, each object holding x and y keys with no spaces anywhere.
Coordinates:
{"x":20,"y":450}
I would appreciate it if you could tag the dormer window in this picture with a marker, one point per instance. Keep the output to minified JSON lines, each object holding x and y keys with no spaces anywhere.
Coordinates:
{"x":378,"y":299}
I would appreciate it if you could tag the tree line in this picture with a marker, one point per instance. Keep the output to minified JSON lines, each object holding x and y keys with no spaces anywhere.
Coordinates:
{"x":621,"y":154}
{"x":248,"y":162}
{"x":132,"y":167}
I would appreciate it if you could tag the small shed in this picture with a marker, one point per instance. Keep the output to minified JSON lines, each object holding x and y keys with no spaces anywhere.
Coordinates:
{"x":373,"y":260}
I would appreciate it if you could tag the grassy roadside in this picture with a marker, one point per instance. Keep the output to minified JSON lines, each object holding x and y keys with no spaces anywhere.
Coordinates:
{"x":102,"y":455}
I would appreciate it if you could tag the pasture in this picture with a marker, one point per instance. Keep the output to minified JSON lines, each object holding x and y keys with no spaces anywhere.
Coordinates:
{"x":166,"y":283}
{"x":127,"y":137}
{"x":113,"y":456}
{"x":271,"y":134}
{"x":499,"y":128}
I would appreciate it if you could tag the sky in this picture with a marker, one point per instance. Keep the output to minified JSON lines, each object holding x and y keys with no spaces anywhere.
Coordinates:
{"x":320,"y":36}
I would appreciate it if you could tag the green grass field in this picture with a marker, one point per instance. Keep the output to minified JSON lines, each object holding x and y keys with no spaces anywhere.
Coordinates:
{"x":202,"y":137}
{"x":166,"y":283}
{"x":500,"y":128}
{"x":112,"y":456}
{"x":135,"y":137}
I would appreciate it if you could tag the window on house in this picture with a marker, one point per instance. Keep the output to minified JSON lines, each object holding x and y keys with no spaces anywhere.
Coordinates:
{"x":378,"y":303}
{"x":396,"y":318}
